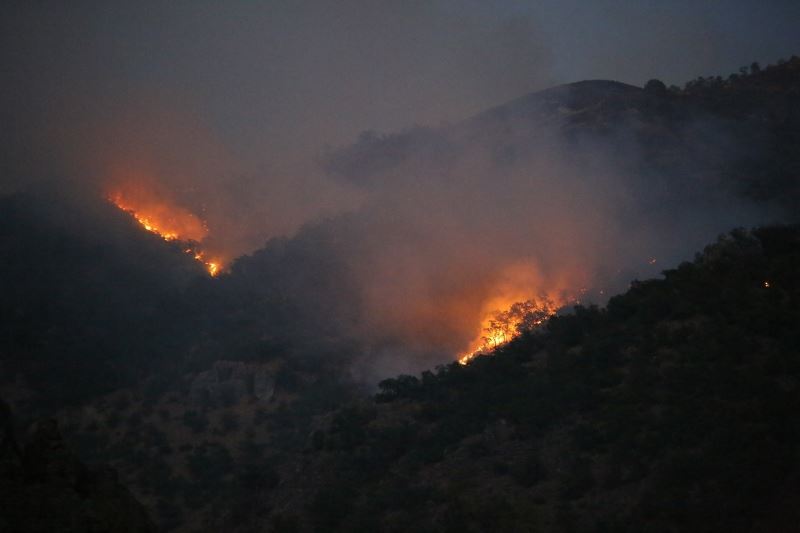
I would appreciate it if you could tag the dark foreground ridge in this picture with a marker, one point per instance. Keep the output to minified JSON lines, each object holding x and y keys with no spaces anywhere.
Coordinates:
{"x":44,"y":487}
{"x":673,"y":409}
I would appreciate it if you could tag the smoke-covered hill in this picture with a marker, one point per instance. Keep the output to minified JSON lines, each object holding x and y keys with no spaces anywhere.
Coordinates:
{"x":218,"y":396}
{"x":569,"y":192}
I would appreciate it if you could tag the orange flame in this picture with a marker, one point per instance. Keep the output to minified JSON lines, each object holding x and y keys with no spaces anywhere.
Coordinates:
{"x":156,"y":216}
{"x":170,"y":222}
{"x":521,"y":299}
{"x":499,"y":327}
{"x":213,"y":265}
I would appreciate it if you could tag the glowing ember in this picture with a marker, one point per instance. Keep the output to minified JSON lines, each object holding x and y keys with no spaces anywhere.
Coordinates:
{"x":171,"y":223}
{"x":499,"y":327}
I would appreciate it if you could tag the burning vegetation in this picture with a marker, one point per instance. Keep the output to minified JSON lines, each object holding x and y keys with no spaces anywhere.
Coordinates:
{"x":499,"y":327}
{"x":170,"y":222}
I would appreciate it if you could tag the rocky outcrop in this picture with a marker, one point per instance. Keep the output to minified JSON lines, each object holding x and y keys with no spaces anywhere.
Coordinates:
{"x":263,"y":384}
{"x":230,"y":382}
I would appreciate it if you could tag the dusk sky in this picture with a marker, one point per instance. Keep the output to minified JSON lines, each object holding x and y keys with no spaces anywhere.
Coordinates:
{"x":269,"y":77}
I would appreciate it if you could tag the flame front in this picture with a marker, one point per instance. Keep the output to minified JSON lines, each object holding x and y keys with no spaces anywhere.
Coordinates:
{"x":520,"y":298}
{"x":499,"y":327}
{"x":171,"y":223}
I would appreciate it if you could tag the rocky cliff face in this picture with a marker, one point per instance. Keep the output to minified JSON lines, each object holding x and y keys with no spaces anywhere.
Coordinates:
{"x":44,"y":487}
{"x":229,"y":382}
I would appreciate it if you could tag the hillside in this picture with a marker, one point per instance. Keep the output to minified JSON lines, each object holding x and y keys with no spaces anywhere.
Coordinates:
{"x":44,"y":487}
{"x":738,"y":134}
{"x":79,"y":277}
{"x":246,"y":402}
{"x":672,"y":408}
{"x":84,"y":296}
{"x":669,"y":410}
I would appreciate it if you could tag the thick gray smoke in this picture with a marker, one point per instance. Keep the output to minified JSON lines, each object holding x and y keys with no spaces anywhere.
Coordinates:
{"x":568,"y":194}
{"x":225,"y":110}
{"x":224,"y":106}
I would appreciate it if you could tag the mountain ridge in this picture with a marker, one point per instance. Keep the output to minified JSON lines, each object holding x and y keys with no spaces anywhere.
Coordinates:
{"x":605,"y":420}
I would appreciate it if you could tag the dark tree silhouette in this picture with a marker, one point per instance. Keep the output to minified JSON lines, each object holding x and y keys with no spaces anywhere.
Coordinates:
{"x":656,"y":87}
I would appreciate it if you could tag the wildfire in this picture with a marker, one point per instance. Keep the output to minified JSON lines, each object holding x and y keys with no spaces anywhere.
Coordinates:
{"x":150,"y":226}
{"x":500,"y":327}
{"x":171,"y":223}
{"x":212,"y":266}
